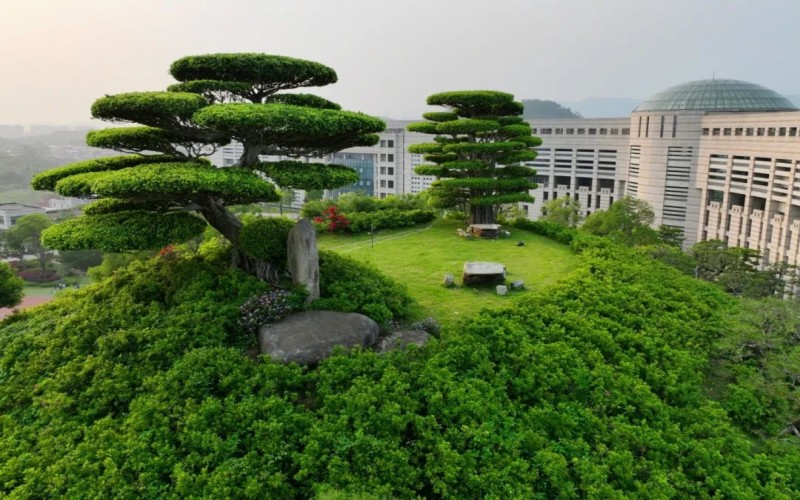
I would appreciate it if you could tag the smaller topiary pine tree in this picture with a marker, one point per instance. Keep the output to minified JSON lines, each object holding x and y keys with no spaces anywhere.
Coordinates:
{"x":478,"y":148}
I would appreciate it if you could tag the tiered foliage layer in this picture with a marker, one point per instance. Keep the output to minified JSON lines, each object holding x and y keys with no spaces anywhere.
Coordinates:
{"x":153,"y":196}
{"x":479,"y":145}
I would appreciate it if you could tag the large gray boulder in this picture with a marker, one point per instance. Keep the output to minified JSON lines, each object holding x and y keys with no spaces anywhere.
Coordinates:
{"x":303,"y":258}
{"x":399,"y":340}
{"x":309,"y":337}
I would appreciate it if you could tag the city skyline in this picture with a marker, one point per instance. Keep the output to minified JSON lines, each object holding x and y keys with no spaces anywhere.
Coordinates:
{"x":58,"y":57}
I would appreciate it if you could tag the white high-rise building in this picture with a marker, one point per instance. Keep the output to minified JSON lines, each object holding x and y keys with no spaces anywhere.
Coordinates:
{"x":387,"y":168}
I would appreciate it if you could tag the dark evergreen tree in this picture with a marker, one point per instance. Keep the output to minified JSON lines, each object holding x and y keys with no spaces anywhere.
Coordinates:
{"x":154,"y":196}
{"x":479,"y":145}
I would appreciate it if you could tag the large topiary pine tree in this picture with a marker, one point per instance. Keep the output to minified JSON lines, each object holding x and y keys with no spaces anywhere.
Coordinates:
{"x":165,"y":191}
{"x":479,"y":145}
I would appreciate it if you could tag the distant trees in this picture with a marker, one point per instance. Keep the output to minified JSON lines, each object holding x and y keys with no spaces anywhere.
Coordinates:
{"x":537,"y":108}
{"x":11,"y":287}
{"x":478,"y":146}
{"x":741,"y":271}
{"x":25,"y":237}
{"x":627,"y":221}
{"x":153,"y":196}
{"x":564,"y":210}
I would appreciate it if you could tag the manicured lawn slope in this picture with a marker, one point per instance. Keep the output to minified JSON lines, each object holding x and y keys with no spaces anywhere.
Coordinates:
{"x":420,"y":258}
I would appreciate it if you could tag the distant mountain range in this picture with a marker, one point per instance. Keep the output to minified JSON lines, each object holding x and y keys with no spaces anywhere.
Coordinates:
{"x":603,"y":107}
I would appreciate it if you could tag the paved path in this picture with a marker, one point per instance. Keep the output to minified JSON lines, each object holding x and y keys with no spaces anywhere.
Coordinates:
{"x":26,"y":302}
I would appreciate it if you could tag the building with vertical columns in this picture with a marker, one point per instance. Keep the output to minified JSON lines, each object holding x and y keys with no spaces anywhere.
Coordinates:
{"x":718,"y":159}
{"x":393,"y":166}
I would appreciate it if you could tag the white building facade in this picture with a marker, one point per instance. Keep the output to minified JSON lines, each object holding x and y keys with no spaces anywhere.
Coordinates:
{"x":716,"y":158}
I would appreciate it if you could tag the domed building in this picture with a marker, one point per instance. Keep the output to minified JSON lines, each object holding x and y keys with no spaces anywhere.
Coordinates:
{"x":716,"y":158}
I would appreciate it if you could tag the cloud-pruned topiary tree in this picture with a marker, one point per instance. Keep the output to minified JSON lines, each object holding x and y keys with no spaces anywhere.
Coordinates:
{"x":477,"y":150}
{"x":164,"y":191}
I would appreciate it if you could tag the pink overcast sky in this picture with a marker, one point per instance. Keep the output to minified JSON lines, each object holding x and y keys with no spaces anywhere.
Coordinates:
{"x":57,"y":56}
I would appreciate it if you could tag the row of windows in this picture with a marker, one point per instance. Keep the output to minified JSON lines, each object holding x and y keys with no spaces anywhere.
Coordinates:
{"x":386,"y":171}
{"x":387,"y":184}
{"x":582,"y":131}
{"x":753,"y":131}
{"x":387,"y":157}
{"x":387,"y":143}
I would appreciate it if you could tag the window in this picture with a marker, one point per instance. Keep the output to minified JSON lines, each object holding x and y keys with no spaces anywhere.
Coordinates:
{"x":383,"y":183}
{"x":390,"y":144}
{"x":592,"y":131}
{"x":603,"y":131}
{"x":383,"y":171}
{"x":771,"y":131}
{"x":390,"y":184}
{"x":559,"y":131}
{"x":715,"y":131}
{"x":759,"y":131}
{"x":614,"y":131}
{"x":674,"y":125}
{"x":390,"y":158}
{"x":546,"y":131}
{"x":390,"y":170}
{"x":661,"y":130}
{"x":383,"y":143}
{"x":705,"y":131}
{"x":748,"y":131}
{"x":782,"y":131}
{"x":383,"y":156}
{"x":570,"y":131}
{"x":726,"y":131}
{"x":626,"y":131}
{"x":581,"y":131}
{"x":738,"y":131}
{"x":793,"y":131}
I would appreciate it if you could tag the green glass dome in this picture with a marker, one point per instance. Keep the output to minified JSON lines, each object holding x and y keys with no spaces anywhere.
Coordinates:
{"x":717,"y":95}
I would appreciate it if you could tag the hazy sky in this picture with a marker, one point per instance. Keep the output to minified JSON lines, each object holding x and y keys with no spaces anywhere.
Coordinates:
{"x":58,"y":56}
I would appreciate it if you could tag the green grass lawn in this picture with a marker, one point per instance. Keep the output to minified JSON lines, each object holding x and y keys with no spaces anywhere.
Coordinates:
{"x":421,"y":256}
{"x":49,"y":289}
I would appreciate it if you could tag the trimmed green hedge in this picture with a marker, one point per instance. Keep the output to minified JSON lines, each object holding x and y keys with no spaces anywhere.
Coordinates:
{"x":387,"y":219}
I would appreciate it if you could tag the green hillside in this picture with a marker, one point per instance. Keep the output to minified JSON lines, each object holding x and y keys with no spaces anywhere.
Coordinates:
{"x":144,"y":386}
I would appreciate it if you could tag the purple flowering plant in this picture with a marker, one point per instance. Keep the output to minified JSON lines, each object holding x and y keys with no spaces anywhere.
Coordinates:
{"x":268,"y":308}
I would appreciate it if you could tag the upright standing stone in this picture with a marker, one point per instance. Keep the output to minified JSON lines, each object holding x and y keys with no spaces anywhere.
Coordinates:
{"x":301,"y":249}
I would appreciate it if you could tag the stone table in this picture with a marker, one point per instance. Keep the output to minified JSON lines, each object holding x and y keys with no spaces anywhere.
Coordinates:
{"x":483,"y":273}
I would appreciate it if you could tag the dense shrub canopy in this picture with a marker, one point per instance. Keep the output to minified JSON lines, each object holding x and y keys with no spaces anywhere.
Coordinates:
{"x":478,"y":146}
{"x":367,"y":213}
{"x":139,"y":387}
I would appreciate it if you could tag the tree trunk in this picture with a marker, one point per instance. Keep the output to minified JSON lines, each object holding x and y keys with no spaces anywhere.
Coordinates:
{"x":482,"y":214}
{"x":231,"y":227}
{"x":42,"y":263}
{"x":250,"y":155}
